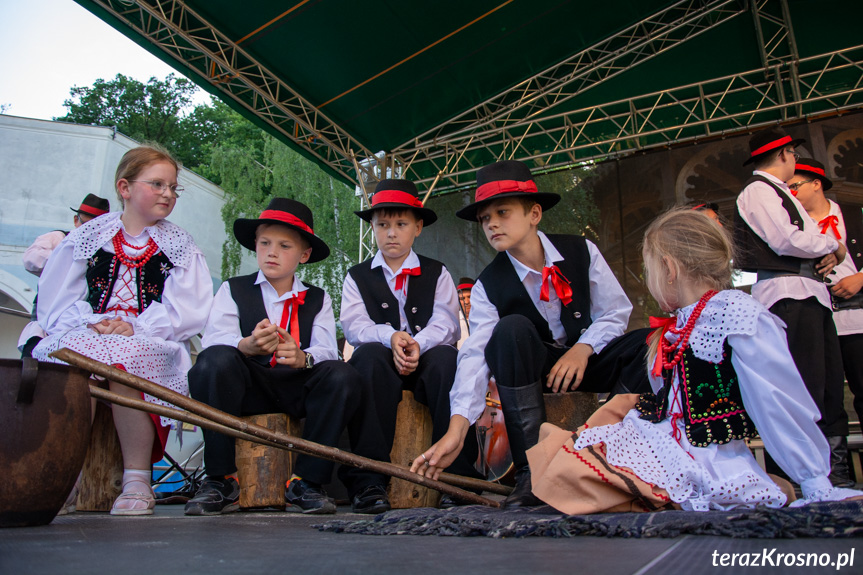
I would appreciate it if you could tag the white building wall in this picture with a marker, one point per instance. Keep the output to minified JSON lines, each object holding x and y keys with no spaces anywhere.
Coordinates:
{"x":48,"y":167}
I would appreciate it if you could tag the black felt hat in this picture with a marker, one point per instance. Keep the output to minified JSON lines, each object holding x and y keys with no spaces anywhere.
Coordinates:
{"x":287,"y":212}
{"x":769,"y":140}
{"x":506,"y":179}
{"x":814,"y":168}
{"x":465,"y":283}
{"x":93,"y":206}
{"x":398,"y":195}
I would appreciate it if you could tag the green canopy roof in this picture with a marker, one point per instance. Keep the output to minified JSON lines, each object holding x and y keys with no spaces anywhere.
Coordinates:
{"x":444,"y":87}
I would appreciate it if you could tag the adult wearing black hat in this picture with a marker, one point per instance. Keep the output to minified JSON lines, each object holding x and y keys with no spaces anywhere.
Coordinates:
{"x":270,"y":347}
{"x":844,"y":222}
{"x":778,"y":240}
{"x":36,"y":256}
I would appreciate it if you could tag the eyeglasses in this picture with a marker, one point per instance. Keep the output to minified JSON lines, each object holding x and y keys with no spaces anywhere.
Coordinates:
{"x":796,"y":185}
{"x":176,"y":189}
{"x":794,"y":154}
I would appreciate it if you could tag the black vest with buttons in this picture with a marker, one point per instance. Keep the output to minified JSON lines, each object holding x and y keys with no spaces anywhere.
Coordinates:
{"x":712,"y":406}
{"x":753,"y":252}
{"x":506,"y":292}
{"x":853,"y":217}
{"x":382,"y":305}
{"x":103,"y":269}
{"x":250,"y":306}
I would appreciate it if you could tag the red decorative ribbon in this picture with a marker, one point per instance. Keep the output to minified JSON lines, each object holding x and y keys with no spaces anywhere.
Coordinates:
{"x":400,"y":279}
{"x":665,"y":324}
{"x":492,"y":189}
{"x":560,"y":283}
{"x":287,"y":218}
{"x":291,"y":305}
{"x":395,"y":197}
{"x":91,"y":210}
{"x":771,"y":146}
{"x":813,"y":169}
{"x":830,"y":223}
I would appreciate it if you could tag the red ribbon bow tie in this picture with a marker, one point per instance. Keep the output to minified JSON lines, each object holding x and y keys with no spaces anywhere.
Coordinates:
{"x":663,"y":323}
{"x":560,"y":283}
{"x":400,"y":279}
{"x":830,"y":223}
{"x":291,"y":305}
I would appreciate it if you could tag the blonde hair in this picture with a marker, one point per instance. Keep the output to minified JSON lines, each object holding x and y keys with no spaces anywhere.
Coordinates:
{"x":137,"y":159}
{"x":697,"y":247}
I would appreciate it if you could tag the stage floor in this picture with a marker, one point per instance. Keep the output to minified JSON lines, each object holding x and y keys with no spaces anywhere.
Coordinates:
{"x":273,"y":542}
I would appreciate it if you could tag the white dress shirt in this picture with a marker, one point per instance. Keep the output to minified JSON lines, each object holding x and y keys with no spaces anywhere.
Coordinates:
{"x":223,"y":324}
{"x":441,"y":329}
{"x":36,"y":256}
{"x":609,"y":314}
{"x":761,"y":207}
{"x":848,"y":321}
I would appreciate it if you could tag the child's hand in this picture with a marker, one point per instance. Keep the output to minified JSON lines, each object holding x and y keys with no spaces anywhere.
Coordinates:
{"x":569,"y":369}
{"x":848,"y":286}
{"x":288,"y":352}
{"x":113,"y":326}
{"x":441,"y":455}
{"x":406,"y":352}
{"x":263,"y":341}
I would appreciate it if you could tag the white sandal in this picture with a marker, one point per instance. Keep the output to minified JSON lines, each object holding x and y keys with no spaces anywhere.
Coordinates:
{"x":134,"y":503}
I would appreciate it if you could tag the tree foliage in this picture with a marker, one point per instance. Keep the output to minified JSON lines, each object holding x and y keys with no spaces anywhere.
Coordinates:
{"x":576,"y":213}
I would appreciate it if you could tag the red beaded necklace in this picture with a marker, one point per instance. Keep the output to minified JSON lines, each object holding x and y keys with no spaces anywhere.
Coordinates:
{"x":683,"y":341}
{"x":137,"y":261}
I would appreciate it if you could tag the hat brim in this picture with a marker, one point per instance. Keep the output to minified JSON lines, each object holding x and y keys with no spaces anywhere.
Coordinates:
{"x":245,"y":229}
{"x":425,"y":214}
{"x":794,"y":143}
{"x":546,"y":200}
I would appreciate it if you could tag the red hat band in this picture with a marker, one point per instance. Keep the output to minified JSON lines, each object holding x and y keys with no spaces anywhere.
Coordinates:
{"x":91,"y":210}
{"x":464,"y":286}
{"x":287,"y":218}
{"x":813,"y":169}
{"x":395,"y":197}
{"x":771,"y":146}
{"x":492,"y":189}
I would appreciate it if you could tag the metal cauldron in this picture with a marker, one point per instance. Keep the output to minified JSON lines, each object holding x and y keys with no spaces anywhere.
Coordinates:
{"x":45,"y":431}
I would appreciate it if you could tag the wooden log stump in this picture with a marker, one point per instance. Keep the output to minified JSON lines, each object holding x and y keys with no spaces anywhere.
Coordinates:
{"x":413,"y":436}
{"x":263,"y":471}
{"x":569,"y":410}
{"x":102,"y":474}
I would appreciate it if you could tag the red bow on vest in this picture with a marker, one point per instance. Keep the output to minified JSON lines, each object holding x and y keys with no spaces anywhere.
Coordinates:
{"x":290,"y":309}
{"x":663,"y":323}
{"x":830,"y":223}
{"x":400,"y":279}
{"x":560,"y":283}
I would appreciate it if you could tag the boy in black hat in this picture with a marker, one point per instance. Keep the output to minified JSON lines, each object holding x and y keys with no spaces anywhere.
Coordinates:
{"x":777,"y":239}
{"x":543,"y":315}
{"x":844,"y":222}
{"x":270,"y":346}
{"x":464,"y":286}
{"x":400,"y":312}
{"x":36,"y":256}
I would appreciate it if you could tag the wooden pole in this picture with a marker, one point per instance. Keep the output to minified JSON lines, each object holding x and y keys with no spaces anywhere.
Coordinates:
{"x":256,"y":432}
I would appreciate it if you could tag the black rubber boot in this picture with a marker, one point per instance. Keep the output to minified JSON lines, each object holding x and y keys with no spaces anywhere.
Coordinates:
{"x":840,"y":475}
{"x":523,"y":413}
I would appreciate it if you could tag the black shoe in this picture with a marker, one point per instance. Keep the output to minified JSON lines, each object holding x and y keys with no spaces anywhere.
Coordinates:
{"x":304,"y":497}
{"x":840,"y":474}
{"x":449,"y":502}
{"x":521,"y":495}
{"x":215,"y":497}
{"x":371,"y":500}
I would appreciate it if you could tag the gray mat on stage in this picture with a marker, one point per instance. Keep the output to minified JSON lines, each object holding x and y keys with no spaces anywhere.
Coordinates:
{"x":841,"y":519}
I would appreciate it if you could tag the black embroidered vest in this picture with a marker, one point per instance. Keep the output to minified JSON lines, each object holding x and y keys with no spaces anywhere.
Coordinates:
{"x":754,"y":253}
{"x":382,"y":305}
{"x":712,"y":406}
{"x":103,"y":270}
{"x":508,"y":295}
{"x":250,"y":305}
{"x":853,"y":217}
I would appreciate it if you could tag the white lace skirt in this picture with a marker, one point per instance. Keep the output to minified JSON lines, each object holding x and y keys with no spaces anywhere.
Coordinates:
{"x":165,"y":363}
{"x":697,"y":478}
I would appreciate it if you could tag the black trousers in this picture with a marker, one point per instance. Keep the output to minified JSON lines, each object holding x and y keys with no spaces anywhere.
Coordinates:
{"x":814,"y":346}
{"x":430,"y":383}
{"x":517,"y":356}
{"x":330,"y":396}
{"x":852,"y":360}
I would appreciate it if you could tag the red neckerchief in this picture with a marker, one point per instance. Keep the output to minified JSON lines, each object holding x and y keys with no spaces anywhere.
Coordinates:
{"x":830,"y":223}
{"x":560,"y":283}
{"x":290,"y":307}
{"x":400,"y":279}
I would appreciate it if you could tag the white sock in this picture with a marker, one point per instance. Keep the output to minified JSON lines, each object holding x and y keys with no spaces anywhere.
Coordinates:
{"x":133,"y":478}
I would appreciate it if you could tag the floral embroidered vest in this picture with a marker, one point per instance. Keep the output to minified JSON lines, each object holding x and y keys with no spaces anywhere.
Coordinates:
{"x":713,"y":409}
{"x":103,"y":270}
